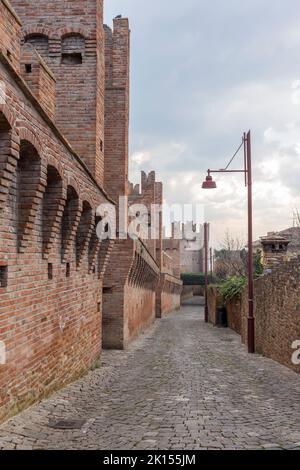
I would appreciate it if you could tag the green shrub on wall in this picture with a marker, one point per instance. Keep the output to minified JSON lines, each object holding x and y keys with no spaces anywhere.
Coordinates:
{"x":196,"y":279}
{"x":192,"y":279}
{"x":233,"y":288}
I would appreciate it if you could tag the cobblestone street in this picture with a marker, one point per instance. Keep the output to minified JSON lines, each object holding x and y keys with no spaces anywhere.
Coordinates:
{"x":183,"y":385}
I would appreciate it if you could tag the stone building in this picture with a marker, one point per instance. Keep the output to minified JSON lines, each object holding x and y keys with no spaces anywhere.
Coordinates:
{"x":64,"y":117}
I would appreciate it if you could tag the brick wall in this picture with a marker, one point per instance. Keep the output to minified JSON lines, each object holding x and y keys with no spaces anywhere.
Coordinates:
{"x":214,"y":301}
{"x":234,"y":318}
{"x":276,"y":310}
{"x":51,"y":263}
{"x":39,"y":78}
{"x":117,"y":51}
{"x":168,"y":294}
{"x":69,"y":35}
{"x":10,"y":34}
{"x":129,"y":293}
{"x":56,"y":277}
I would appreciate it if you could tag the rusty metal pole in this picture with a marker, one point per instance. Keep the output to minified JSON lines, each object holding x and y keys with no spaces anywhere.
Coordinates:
{"x":206,"y":269}
{"x":251,"y":326}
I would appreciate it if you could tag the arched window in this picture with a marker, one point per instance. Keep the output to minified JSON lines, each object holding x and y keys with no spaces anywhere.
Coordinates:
{"x":28,"y":180}
{"x":73,"y":49}
{"x":40,"y":42}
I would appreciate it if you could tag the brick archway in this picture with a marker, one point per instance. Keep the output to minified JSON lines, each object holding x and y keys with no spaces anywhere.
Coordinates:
{"x":29,"y":188}
{"x":36,"y":30}
{"x":8,"y":141}
{"x":28,"y":135}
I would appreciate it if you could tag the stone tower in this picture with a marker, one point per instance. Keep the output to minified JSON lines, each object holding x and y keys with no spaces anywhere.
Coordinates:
{"x":69,"y":36}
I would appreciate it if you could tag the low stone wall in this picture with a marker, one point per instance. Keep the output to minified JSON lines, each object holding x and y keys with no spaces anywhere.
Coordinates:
{"x":214,"y":300}
{"x":277,"y":313}
{"x":234,"y":318}
{"x":276,"y":310}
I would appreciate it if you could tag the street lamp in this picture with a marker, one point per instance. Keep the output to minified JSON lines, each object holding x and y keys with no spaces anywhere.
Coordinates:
{"x":209,"y":183}
{"x":206,"y":241}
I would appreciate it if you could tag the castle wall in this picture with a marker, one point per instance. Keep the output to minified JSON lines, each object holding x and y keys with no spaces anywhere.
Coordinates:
{"x":129,"y":293}
{"x":69,"y":36}
{"x":130,"y":282}
{"x":117,"y":52}
{"x":51,"y":263}
{"x":10,"y":34}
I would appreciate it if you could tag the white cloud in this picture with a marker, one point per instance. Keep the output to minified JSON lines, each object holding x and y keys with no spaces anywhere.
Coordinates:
{"x":140,"y":157}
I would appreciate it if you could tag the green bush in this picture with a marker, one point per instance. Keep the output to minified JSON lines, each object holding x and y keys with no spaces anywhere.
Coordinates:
{"x":196,"y":279}
{"x":192,"y":279}
{"x":233,"y":287}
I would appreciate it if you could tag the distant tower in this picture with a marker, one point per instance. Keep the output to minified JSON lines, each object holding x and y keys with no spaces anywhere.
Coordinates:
{"x":70,"y":38}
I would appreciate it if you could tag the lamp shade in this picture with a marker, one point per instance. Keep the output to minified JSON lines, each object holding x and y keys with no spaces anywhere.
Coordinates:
{"x":209,"y":183}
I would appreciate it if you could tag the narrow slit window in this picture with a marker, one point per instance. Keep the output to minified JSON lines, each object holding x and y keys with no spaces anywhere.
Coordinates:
{"x":3,"y":276}
{"x":50,"y":271}
{"x":68,"y":270}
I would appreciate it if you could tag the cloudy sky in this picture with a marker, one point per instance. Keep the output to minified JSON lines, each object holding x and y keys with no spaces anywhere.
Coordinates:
{"x":202,"y":72}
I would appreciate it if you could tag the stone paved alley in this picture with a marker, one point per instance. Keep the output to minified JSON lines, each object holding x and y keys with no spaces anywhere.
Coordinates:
{"x":183,"y":385}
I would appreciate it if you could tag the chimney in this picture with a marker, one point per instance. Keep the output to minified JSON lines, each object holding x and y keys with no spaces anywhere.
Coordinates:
{"x":274,"y":248}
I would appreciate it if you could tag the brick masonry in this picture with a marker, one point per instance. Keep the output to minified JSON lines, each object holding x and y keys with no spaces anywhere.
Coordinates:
{"x":61,"y":289}
{"x":277,"y":313}
{"x":69,"y":35}
{"x":51,"y":280}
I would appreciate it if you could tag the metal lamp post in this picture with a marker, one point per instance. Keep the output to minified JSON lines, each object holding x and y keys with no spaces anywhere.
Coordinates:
{"x":209,"y":183}
{"x":206,"y":238}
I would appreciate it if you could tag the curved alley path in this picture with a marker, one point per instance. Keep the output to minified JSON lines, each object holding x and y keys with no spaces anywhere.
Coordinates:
{"x":183,"y":385}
